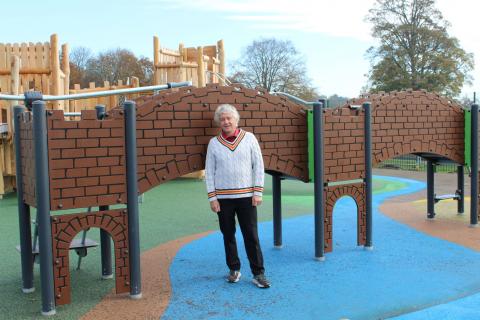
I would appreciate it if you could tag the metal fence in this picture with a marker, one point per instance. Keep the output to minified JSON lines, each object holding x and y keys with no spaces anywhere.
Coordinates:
{"x":412,"y":162}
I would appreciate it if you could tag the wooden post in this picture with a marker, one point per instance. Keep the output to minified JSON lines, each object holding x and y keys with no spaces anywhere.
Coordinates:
{"x":156,"y":60}
{"x":76,"y":106}
{"x":66,"y":72}
{"x":181,"y":68}
{"x":134,"y":83}
{"x":14,"y":89}
{"x":200,"y":68}
{"x":14,"y":83}
{"x":55,"y":68}
{"x":221,"y":57}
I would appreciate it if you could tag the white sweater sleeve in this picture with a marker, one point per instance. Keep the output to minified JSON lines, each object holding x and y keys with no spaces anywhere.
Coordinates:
{"x":210,"y":172}
{"x":258,"y":168}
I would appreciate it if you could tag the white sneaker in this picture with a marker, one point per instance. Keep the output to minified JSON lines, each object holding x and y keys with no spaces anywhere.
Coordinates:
{"x":233,"y":276}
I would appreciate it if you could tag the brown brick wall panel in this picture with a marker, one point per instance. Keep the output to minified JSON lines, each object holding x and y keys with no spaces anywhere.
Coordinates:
{"x":87,"y":157}
{"x":341,"y":148}
{"x":28,"y":159}
{"x":421,"y":121}
{"x":64,"y":230}
{"x":175,"y":126}
{"x":332,"y":194}
{"x":403,"y":122}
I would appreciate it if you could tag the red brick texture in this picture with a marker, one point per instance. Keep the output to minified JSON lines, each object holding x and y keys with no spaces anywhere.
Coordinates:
{"x":28,"y":158}
{"x":174,"y":128}
{"x":402,"y":123}
{"x":416,"y":122}
{"x":64,"y":229}
{"x":332,"y":194}
{"x":344,"y":144}
{"x":86,"y":161}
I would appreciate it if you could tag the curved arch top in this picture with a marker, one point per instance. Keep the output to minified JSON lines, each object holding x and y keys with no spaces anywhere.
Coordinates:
{"x":175,"y":126}
{"x":64,"y":230}
{"x":403,"y":122}
{"x":416,"y":122}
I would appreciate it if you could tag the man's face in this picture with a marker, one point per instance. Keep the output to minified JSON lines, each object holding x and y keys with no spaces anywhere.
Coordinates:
{"x":228,"y":123}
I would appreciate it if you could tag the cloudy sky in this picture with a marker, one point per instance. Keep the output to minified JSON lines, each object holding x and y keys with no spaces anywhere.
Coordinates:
{"x":332,"y":35}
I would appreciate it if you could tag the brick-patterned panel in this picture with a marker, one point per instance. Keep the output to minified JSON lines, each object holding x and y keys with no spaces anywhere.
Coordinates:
{"x":175,"y":126}
{"x":28,"y":158}
{"x":344,"y":144}
{"x":64,"y":229}
{"x":416,"y":122}
{"x":86,"y":161}
{"x":332,"y":194}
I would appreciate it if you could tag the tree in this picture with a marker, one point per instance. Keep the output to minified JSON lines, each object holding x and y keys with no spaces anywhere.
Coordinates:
{"x":119,"y":64}
{"x":415,"y":50}
{"x":78,"y":65}
{"x":274,"y":65}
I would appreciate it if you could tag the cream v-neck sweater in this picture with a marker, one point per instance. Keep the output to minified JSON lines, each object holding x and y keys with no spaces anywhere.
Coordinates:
{"x":234,"y":169}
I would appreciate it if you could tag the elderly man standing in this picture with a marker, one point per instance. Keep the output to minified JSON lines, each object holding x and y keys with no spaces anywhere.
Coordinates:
{"x":234,"y":175}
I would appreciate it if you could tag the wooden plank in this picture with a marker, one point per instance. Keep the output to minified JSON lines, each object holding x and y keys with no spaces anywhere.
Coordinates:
{"x":31,"y":55}
{"x":24,"y":55}
{"x":39,"y":64}
{"x":221,"y":58}
{"x":3,"y":56}
{"x":210,"y":51}
{"x":201,"y":68}
{"x":46,"y":55}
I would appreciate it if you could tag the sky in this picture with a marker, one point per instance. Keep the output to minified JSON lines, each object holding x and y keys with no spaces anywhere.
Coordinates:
{"x":333,"y":36}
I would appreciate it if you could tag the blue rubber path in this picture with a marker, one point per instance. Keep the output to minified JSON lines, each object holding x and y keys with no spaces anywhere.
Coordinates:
{"x":407,"y":271}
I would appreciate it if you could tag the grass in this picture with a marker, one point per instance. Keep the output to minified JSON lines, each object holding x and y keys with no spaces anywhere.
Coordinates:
{"x":169,"y":211}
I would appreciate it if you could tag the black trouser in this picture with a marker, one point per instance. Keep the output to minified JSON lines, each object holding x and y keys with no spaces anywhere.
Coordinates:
{"x":247,"y":218}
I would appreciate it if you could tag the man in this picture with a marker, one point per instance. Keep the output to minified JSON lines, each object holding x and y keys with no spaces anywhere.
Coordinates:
{"x":234,"y":175}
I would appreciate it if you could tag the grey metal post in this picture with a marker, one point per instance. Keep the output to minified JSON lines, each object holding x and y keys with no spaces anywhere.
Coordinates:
{"x":474,"y":161}
{"x":43,"y":207}
{"x":106,"y":251}
{"x":23,"y":210}
{"x":430,"y":189}
{"x":277,"y":209}
{"x":460,"y":189}
{"x":368,"y":174}
{"x":132,"y":199}
{"x":105,"y":241}
{"x":319,"y":199}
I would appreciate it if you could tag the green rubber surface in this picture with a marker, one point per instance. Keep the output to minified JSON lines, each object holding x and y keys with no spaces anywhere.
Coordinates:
{"x":169,"y":211}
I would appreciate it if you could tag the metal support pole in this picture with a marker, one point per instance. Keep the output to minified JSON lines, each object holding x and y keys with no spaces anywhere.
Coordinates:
{"x":277,"y":210}
{"x":132,"y":199}
{"x":318,"y":183}
{"x":43,"y":207}
{"x":460,"y":190}
{"x":23,"y":210}
{"x":106,"y":250}
{"x":474,"y":161}
{"x":368,"y":175}
{"x":430,"y":189}
{"x":105,"y":239}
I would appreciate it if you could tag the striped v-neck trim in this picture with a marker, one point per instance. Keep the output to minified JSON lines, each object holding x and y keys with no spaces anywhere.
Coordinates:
{"x":234,"y":144}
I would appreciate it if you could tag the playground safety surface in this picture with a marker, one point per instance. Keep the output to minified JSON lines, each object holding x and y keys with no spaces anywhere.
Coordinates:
{"x":412,"y":272}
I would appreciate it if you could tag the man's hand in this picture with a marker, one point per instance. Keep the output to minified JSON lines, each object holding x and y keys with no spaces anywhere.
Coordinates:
{"x":256,"y":201}
{"x":215,"y":206}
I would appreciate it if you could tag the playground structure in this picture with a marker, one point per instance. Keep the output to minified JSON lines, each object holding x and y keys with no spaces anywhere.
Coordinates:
{"x":201,"y":65}
{"x":25,"y":67}
{"x":44,"y":67}
{"x":109,"y":158}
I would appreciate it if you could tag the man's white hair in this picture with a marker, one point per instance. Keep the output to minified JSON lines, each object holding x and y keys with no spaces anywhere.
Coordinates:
{"x":226,"y":108}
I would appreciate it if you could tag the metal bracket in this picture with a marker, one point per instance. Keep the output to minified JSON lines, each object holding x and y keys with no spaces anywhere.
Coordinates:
{"x":30,"y":97}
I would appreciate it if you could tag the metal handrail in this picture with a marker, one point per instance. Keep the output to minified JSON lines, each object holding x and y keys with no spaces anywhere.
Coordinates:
{"x":220,"y":75}
{"x":100,"y":93}
{"x":294,"y":98}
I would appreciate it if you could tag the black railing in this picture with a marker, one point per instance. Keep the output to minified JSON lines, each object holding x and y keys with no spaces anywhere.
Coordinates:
{"x":412,"y":162}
